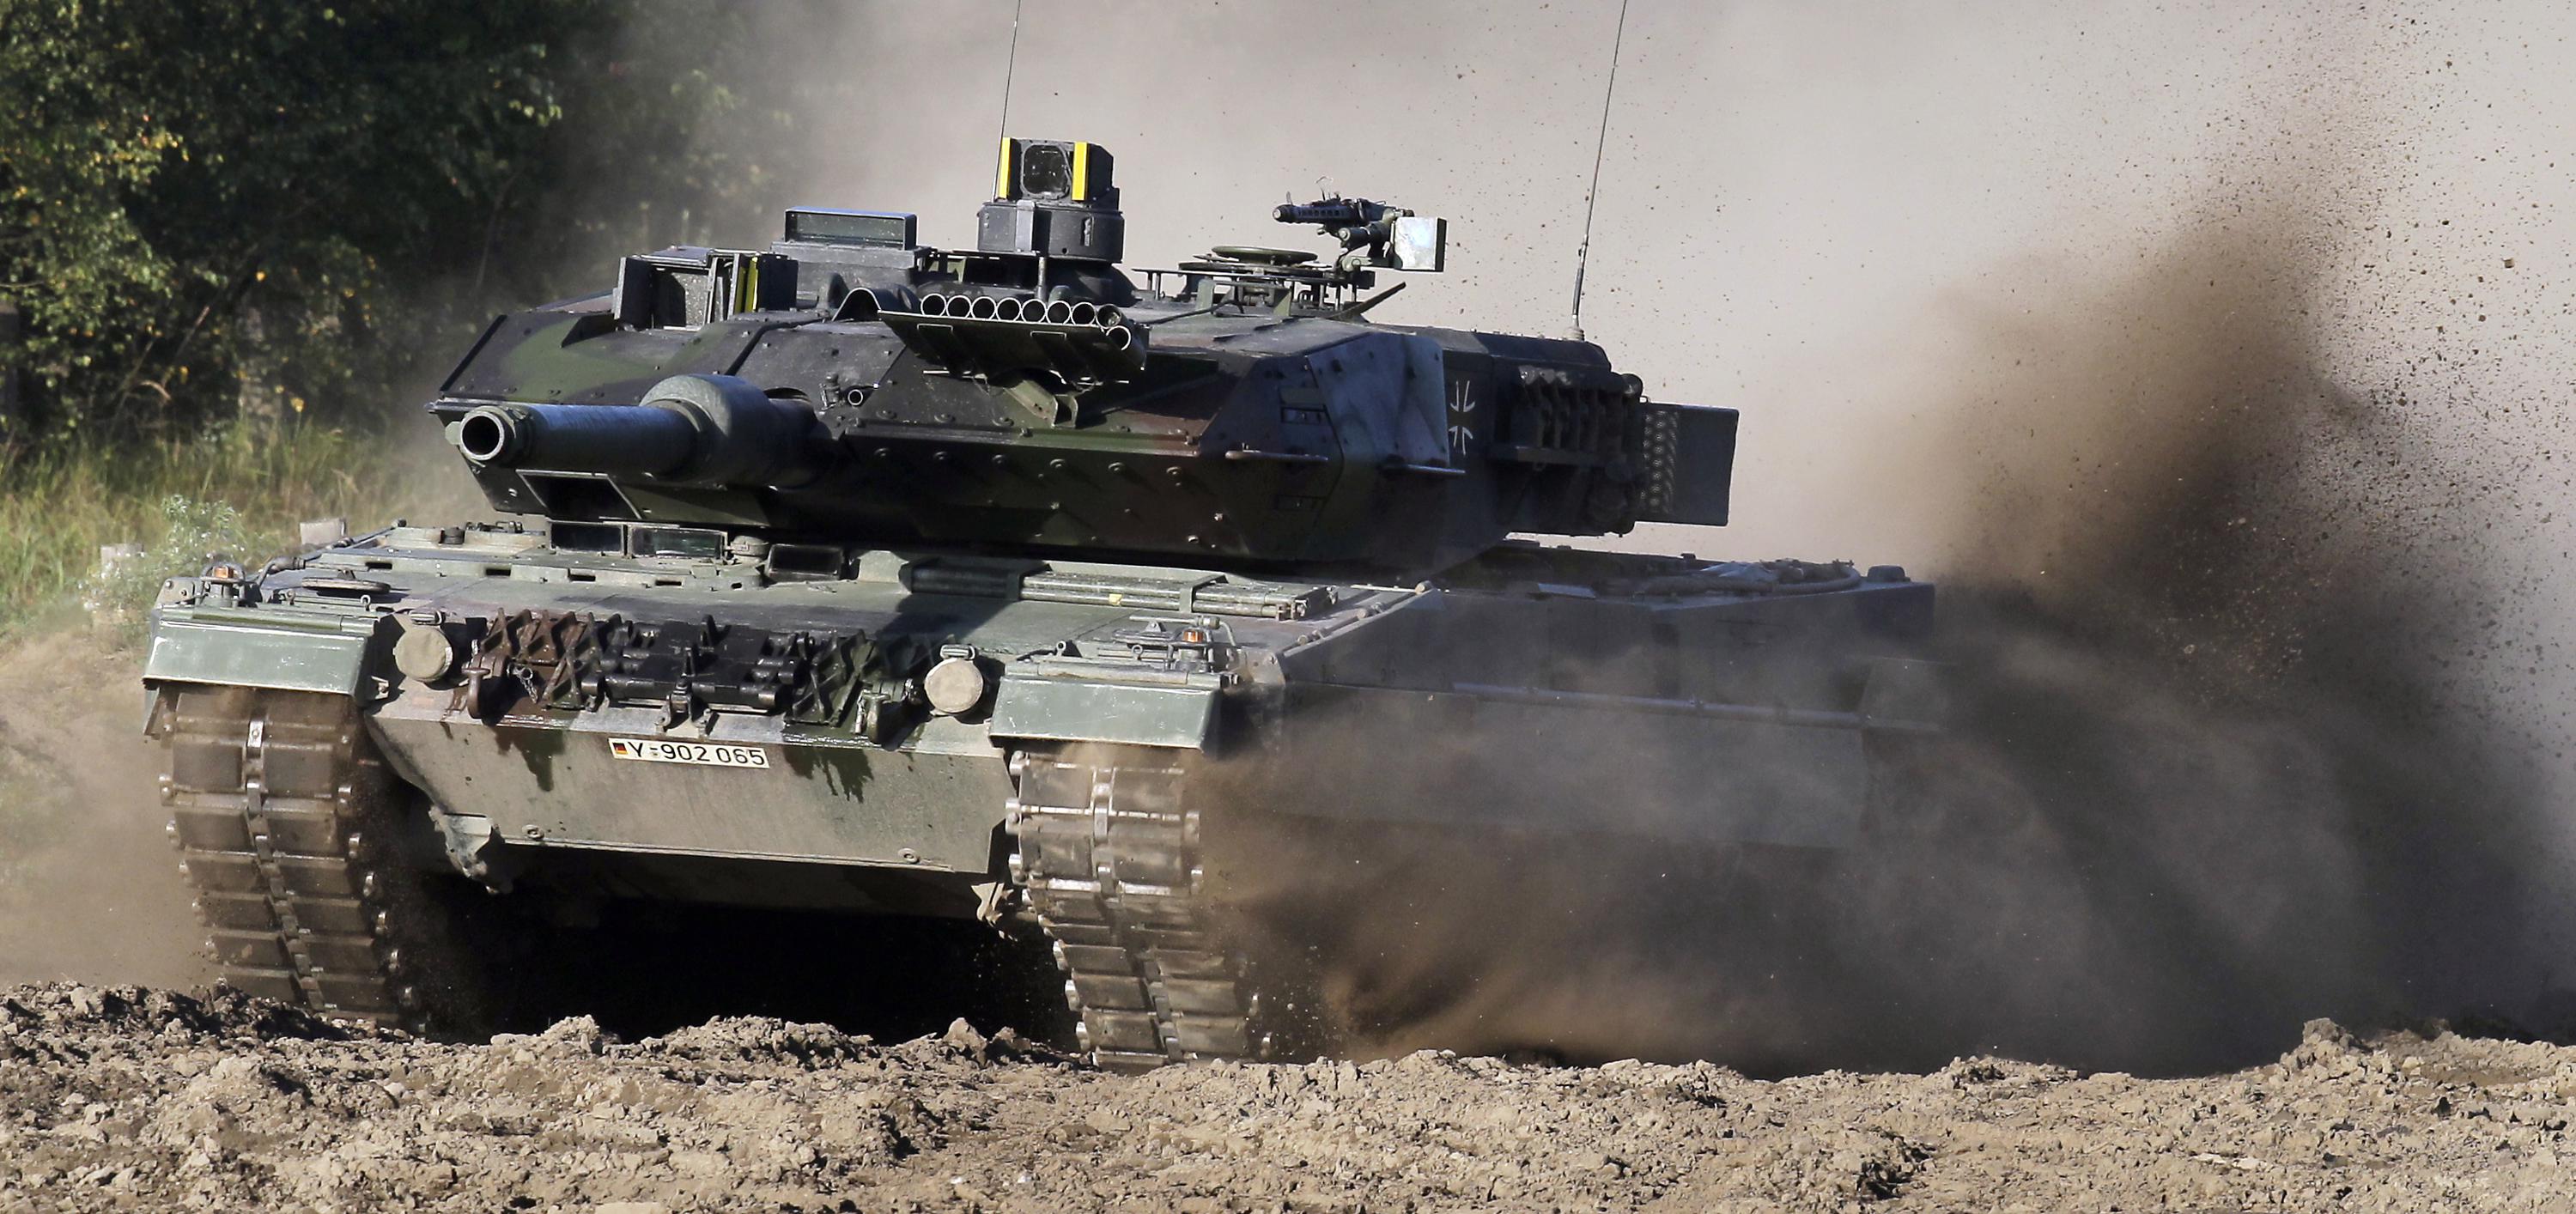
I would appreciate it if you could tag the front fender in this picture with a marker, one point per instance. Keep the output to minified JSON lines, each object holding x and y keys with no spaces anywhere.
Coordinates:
{"x":276,"y":648}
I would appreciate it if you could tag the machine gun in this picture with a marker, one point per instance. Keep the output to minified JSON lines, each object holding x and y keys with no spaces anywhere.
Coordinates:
{"x":1374,"y":233}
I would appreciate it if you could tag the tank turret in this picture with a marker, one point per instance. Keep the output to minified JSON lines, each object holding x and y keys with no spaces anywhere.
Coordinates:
{"x":848,"y":385}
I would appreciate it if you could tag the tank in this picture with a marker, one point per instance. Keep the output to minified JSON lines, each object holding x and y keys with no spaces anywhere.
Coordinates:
{"x":1001,"y":584}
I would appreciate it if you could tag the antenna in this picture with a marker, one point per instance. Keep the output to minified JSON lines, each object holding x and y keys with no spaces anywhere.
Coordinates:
{"x":1600,"y":141}
{"x":1012,"y":67}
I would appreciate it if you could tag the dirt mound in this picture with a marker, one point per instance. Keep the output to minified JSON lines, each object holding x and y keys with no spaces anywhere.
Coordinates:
{"x":134,"y":1099}
{"x":31,"y":1015}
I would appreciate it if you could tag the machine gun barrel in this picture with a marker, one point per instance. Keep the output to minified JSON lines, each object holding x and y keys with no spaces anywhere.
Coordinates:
{"x":691,"y":429}
{"x":1329,"y":212}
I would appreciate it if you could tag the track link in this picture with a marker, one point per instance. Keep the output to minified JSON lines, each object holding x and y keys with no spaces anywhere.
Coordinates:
{"x":1109,"y":857}
{"x":280,"y":809}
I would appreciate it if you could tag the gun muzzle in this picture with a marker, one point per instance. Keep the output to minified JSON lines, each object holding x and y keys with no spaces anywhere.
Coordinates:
{"x":691,"y":430}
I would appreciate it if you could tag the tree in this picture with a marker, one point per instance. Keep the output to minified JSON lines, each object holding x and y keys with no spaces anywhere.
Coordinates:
{"x":211,"y":202}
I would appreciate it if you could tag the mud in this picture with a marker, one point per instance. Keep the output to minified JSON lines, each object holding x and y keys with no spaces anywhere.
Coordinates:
{"x":128,"y":1099}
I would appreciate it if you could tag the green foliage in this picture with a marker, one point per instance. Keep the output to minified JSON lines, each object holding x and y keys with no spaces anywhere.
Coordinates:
{"x":275,"y":205}
{"x":119,"y":596}
{"x":170,"y":166}
{"x":242,"y":232}
{"x":241,"y":490}
{"x":670,"y":112}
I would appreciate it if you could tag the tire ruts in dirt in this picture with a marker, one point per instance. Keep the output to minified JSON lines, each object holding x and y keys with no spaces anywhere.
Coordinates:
{"x":274,"y":796}
{"x":1109,"y":856}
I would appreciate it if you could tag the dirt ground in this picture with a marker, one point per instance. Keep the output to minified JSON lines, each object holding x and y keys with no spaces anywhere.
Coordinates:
{"x":128,"y":1099}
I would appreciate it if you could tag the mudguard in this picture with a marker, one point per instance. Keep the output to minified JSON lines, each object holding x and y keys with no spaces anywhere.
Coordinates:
{"x":1058,"y":709}
{"x":269,"y":648}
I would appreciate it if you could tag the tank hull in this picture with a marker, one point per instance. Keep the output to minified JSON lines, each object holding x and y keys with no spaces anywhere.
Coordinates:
{"x":589,"y":725}
{"x":1728,"y":717}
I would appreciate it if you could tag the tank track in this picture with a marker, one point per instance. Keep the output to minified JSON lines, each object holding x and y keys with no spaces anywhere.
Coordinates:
{"x":1109,"y":858}
{"x":278,"y":806}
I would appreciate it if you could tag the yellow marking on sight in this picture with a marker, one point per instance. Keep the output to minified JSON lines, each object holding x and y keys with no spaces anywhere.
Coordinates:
{"x":1002,"y":171}
{"x":1082,"y":172}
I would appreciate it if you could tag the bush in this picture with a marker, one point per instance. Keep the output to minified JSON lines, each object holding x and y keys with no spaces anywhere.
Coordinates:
{"x":119,"y":596}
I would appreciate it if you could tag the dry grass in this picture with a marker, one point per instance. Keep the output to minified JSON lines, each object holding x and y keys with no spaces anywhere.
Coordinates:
{"x":60,"y":503}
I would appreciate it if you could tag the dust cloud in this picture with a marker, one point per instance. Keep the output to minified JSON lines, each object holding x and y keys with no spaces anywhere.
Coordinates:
{"x":2218,"y":765}
{"x":89,"y":885}
{"x":2210,"y":774}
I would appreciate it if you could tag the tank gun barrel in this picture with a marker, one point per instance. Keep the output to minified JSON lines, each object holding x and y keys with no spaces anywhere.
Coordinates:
{"x":690,"y":429}
{"x":633,"y":440}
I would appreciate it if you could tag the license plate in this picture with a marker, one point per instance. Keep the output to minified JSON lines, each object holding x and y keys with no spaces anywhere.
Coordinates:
{"x":704,"y":754}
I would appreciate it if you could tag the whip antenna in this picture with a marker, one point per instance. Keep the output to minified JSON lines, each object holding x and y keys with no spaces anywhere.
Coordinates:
{"x":1600,"y":141}
{"x":1013,"y":66}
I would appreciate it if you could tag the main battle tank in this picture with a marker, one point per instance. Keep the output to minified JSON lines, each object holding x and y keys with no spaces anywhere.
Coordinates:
{"x":854,"y":575}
